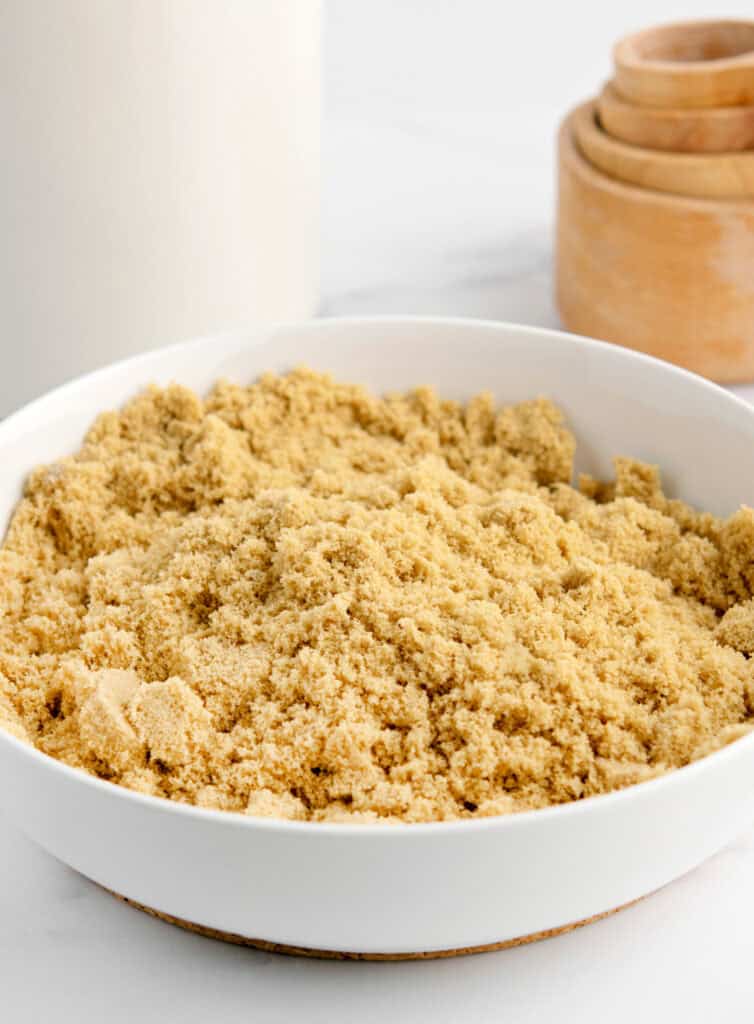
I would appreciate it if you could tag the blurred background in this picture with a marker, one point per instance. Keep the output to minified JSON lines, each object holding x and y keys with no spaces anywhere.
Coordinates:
{"x":439,"y":131}
{"x":162,"y":175}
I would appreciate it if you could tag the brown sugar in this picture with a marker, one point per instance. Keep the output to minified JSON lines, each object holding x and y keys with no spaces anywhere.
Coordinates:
{"x":299,"y":600}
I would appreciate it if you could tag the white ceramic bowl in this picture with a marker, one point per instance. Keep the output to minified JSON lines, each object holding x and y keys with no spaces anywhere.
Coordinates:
{"x":405,"y":888}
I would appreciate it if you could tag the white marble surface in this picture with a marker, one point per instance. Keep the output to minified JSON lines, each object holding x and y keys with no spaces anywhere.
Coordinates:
{"x":439,"y":199}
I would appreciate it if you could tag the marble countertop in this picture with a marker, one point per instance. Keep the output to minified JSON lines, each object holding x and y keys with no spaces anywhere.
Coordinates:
{"x":439,"y":198}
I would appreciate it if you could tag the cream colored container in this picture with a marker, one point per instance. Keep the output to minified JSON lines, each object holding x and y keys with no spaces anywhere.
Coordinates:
{"x":159,"y":176}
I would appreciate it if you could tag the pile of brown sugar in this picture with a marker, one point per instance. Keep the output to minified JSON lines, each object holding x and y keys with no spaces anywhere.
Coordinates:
{"x":299,"y":600}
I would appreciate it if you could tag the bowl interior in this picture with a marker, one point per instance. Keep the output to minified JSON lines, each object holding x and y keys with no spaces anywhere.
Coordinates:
{"x":615,"y":400}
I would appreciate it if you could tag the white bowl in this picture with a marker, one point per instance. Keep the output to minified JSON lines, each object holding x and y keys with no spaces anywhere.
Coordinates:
{"x":405,"y":888}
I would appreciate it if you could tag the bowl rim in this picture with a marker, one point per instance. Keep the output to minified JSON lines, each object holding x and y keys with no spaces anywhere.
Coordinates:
{"x":505,"y":822}
{"x":387,"y":830}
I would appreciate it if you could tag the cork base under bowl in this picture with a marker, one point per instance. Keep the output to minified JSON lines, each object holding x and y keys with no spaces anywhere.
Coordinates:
{"x":329,"y":954}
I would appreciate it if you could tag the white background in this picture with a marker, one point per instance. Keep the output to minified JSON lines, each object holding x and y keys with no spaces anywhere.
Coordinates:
{"x":439,"y":138}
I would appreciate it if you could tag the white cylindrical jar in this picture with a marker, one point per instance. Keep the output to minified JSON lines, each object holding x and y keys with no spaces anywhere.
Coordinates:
{"x":159,"y":176}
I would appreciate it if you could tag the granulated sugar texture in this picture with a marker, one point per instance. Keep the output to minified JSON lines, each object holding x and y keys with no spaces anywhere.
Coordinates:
{"x":298,"y":600}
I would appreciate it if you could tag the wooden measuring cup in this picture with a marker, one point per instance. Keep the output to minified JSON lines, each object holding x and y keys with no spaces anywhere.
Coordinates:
{"x":665,"y":274}
{"x":711,"y":175}
{"x":676,"y":129}
{"x":689,"y":64}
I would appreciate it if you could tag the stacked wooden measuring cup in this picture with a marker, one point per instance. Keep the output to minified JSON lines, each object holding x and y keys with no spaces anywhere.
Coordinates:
{"x":655,"y":241}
